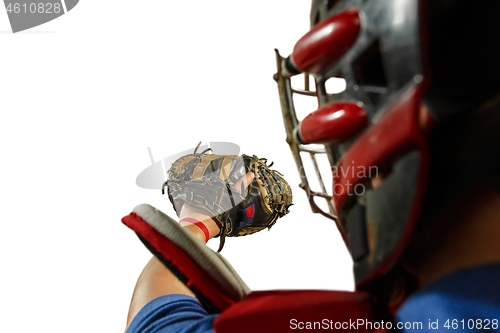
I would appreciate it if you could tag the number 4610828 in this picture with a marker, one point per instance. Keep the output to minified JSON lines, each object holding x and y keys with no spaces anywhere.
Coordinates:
{"x":34,"y":8}
{"x":478,"y":324}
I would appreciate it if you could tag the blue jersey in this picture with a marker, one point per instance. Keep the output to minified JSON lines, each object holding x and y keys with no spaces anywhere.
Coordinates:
{"x":464,"y":301}
{"x":172,"y":313}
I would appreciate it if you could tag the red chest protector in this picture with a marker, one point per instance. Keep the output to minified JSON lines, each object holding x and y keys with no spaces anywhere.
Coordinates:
{"x":289,"y":310}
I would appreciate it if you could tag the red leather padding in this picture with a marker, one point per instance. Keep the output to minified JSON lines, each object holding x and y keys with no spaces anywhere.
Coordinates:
{"x":327,"y":42}
{"x":272,"y":311}
{"x":333,"y":123}
{"x":198,"y":280}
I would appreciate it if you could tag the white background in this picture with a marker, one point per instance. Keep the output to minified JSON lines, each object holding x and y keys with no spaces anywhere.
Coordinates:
{"x":81,"y":99}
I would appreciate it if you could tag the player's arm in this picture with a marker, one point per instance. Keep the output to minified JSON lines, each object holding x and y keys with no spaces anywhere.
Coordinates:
{"x":156,"y":280}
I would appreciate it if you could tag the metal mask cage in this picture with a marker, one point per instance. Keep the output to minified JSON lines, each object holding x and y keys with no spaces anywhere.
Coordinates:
{"x":286,"y":93}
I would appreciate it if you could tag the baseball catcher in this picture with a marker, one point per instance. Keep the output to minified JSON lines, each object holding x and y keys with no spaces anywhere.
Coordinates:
{"x":421,"y":102}
{"x":207,"y":182}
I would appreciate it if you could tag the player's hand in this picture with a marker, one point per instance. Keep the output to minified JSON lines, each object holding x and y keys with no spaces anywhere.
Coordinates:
{"x":204,"y":217}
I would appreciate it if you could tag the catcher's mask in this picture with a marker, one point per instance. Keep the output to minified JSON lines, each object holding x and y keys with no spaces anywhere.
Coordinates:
{"x":408,"y":66}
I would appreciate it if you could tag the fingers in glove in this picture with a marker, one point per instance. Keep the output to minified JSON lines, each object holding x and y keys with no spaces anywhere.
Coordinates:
{"x":244,"y":181}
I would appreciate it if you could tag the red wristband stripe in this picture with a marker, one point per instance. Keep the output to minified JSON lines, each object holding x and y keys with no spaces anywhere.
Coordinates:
{"x":199,"y":225}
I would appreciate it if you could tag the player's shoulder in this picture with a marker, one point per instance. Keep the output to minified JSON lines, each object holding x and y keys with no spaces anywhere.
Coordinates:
{"x":460,"y":299}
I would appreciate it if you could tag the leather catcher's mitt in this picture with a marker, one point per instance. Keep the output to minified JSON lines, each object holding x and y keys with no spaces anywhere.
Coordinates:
{"x":207,"y":181}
